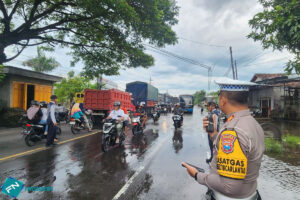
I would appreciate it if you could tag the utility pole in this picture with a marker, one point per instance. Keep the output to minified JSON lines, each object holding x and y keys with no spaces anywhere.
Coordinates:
{"x":232,"y":65}
{"x":236,"y":76}
{"x":150,"y":80}
{"x":100,"y":82}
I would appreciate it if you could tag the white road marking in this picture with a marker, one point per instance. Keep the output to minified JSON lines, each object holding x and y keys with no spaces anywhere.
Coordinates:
{"x":140,"y":169}
{"x":129,"y":182}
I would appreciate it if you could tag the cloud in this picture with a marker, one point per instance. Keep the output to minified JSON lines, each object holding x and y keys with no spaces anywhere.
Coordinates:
{"x":203,"y":25}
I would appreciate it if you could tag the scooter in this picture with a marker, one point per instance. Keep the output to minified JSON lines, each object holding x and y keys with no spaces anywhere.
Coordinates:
{"x":177,"y":121}
{"x":110,"y":134}
{"x":155,"y":116}
{"x":136,"y":124}
{"x":35,"y":132}
{"x":76,"y":124}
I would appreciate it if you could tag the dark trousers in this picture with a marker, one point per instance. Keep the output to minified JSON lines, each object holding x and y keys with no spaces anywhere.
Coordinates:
{"x":211,"y":146}
{"x":51,"y":134}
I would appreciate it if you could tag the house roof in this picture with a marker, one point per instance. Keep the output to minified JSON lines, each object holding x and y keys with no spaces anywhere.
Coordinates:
{"x":261,"y":77}
{"x":31,"y":74}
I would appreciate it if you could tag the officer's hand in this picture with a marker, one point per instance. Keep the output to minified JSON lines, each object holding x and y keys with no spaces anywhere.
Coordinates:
{"x":191,"y":170}
{"x":205,"y":123}
{"x":55,"y":124}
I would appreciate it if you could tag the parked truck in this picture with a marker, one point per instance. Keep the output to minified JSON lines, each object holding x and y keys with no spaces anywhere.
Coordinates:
{"x":101,"y":101}
{"x":143,"y":92}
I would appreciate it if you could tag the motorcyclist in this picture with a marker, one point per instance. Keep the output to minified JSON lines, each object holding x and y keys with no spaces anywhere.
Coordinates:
{"x":178,"y":111}
{"x":43,"y":121}
{"x":86,"y":121}
{"x":34,"y":113}
{"x":118,"y":114}
{"x":126,"y":120}
{"x":142,"y":110}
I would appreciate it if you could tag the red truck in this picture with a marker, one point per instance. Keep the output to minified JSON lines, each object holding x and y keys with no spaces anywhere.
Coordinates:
{"x":101,"y":101}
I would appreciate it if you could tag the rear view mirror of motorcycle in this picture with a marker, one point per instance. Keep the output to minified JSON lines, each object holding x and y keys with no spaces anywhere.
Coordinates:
{"x":197,"y":168}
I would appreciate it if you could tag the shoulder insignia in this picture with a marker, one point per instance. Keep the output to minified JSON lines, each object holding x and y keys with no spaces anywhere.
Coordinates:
{"x":227,"y":142}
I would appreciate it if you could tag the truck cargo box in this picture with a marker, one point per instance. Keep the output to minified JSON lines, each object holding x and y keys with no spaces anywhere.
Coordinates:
{"x":104,"y":99}
{"x":142,"y":92}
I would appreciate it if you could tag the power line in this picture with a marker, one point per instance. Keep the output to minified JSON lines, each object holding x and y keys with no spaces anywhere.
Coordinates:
{"x":265,"y":62}
{"x":170,"y":54}
{"x":202,"y":43}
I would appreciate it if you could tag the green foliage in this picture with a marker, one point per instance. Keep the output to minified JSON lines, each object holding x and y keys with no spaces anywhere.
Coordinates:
{"x":41,"y":63}
{"x":105,"y":34}
{"x":291,"y":140}
{"x":278,"y":27}
{"x":215,"y":95}
{"x":66,"y":89}
{"x":199,"y":96}
{"x":2,"y":75}
{"x":273,"y":146}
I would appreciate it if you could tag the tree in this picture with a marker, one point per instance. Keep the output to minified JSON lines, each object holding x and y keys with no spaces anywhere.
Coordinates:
{"x":278,"y":27}
{"x":199,"y":96}
{"x":41,"y":63}
{"x":2,"y":75}
{"x":104,"y":34}
{"x":66,"y":89}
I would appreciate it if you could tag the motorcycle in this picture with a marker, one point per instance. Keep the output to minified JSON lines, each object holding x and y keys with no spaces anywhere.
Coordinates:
{"x":136,"y":124}
{"x":35,"y":132}
{"x":63,"y":116}
{"x":76,"y":124}
{"x":110,"y":133}
{"x":155,"y":116}
{"x":177,"y":121}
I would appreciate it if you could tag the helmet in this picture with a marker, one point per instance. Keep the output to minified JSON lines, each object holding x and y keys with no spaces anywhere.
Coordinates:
{"x":142,"y":103}
{"x":117,"y":103}
{"x":34,"y":102}
{"x":43,"y":104}
{"x":177,"y":104}
{"x":53,"y":97}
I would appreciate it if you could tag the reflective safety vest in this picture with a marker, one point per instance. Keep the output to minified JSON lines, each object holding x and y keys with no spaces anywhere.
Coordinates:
{"x":231,"y":160}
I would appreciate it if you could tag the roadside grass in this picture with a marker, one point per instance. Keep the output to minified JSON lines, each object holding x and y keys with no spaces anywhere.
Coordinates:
{"x":289,"y":143}
{"x":291,"y":140}
{"x":273,"y":146}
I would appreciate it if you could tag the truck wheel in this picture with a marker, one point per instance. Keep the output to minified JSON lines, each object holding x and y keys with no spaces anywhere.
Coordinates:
{"x":30,"y":140}
{"x":105,"y":143}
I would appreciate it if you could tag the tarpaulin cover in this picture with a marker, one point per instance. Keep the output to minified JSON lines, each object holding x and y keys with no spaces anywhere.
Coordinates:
{"x":142,"y":92}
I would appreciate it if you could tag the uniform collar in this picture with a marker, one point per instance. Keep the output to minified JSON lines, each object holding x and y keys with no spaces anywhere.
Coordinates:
{"x":240,"y":113}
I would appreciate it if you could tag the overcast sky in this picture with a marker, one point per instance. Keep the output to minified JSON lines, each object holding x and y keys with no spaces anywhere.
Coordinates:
{"x":206,"y":29}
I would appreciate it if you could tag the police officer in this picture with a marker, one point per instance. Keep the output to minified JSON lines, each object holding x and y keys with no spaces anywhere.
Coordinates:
{"x":51,"y":121}
{"x":238,"y":147}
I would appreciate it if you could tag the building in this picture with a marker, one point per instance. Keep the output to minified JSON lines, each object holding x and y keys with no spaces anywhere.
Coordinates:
{"x":20,"y":86}
{"x":277,"y":95}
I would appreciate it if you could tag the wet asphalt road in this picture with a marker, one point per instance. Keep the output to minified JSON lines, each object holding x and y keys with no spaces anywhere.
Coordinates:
{"x":148,"y":167}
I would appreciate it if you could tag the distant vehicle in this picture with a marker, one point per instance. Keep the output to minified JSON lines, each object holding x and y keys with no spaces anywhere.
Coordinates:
{"x":79,"y":97}
{"x":187,"y":103}
{"x":143,"y":92}
{"x":101,"y":101}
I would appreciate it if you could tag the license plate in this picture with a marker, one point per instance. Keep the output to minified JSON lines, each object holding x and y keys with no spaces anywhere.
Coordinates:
{"x":72,"y":123}
{"x":25,"y":132}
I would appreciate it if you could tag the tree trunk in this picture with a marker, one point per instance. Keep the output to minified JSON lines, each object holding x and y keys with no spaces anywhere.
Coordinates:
{"x":2,"y":55}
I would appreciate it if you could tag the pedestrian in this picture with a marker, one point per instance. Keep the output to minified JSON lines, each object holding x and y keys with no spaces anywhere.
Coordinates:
{"x":211,"y":108}
{"x":51,"y":120}
{"x":238,"y":147}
